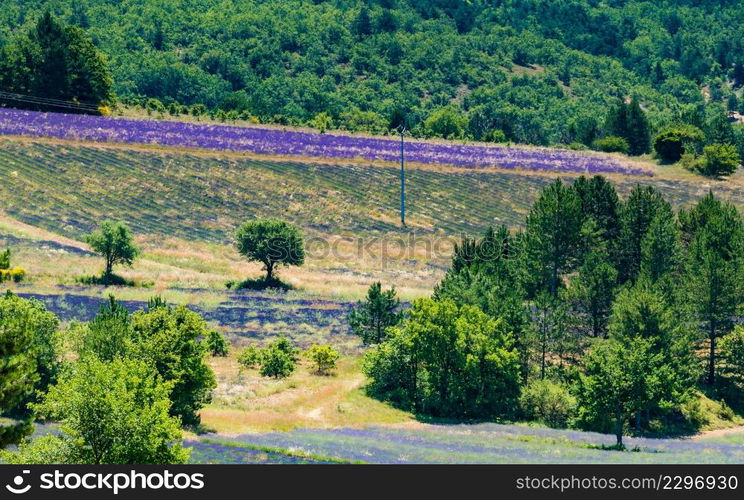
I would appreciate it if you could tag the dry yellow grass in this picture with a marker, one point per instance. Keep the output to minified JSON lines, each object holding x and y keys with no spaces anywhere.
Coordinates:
{"x":246,"y":402}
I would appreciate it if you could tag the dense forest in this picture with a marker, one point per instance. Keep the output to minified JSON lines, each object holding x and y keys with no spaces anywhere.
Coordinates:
{"x":528,"y":71}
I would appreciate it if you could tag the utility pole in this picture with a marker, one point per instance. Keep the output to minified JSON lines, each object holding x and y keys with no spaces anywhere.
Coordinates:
{"x":402,"y":129}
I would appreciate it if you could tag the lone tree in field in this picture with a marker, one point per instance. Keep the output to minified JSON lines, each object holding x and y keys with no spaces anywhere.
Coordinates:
{"x":272,"y":242}
{"x":114,"y":242}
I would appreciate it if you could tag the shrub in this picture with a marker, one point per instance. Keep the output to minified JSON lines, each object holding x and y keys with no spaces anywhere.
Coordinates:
{"x":719,"y":160}
{"x":322,"y":122}
{"x":547,"y":402}
{"x":324,"y":357}
{"x":611,"y":144}
{"x":672,"y":142}
{"x":217,"y":344}
{"x":16,"y":274}
{"x":250,"y":357}
{"x":276,"y":363}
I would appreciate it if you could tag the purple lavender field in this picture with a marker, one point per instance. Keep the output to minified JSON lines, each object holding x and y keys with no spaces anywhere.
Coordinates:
{"x":482,"y":443}
{"x":295,"y":143}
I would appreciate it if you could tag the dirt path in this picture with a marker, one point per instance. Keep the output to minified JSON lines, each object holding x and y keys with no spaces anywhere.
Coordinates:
{"x":718,"y":432}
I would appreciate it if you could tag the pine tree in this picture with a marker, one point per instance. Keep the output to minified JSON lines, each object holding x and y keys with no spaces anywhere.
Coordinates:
{"x":638,"y":134}
{"x":370,"y":319}
{"x":362,"y":24}
{"x":714,"y":233}
{"x":592,"y":292}
{"x":553,"y":236}
{"x":636,"y":215}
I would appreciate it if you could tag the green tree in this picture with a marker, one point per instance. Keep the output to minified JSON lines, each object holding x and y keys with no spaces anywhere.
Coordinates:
{"x":638,"y":131}
{"x":599,"y":202}
{"x":371,"y":318}
{"x":553,"y":235}
{"x":168,"y":339}
{"x":29,"y":318}
{"x":592,"y":292}
{"x":112,"y":413}
{"x":720,"y":130}
{"x":447,"y":123}
{"x":619,"y":380}
{"x":278,"y":360}
{"x":660,"y":247}
{"x":719,"y":160}
{"x":548,"y":402}
{"x":673,"y":141}
{"x":250,"y":357}
{"x":362,"y":25}
{"x":114,"y":242}
{"x":217,"y":344}
{"x":18,"y":375}
{"x":271,"y":242}
{"x":324,"y":358}
{"x":5,"y":259}
{"x":642,"y":311}
{"x":731,"y":365}
{"x":629,"y":122}
{"x":636,"y":216}
{"x":56,"y":62}
{"x":109,"y":333}
{"x":714,"y":232}
{"x":447,"y":361}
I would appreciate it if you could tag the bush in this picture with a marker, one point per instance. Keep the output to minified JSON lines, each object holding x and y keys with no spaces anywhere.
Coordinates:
{"x":16,"y":274}
{"x":719,"y":160}
{"x":672,"y":142}
{"x":250,"y":357}
{"x":259,"y":284}
{"x":107,"y":280}
{"x":216,"y":344}
{"x":547,"y":402}
{"x":611,"y":144}
{"x":276,"y":363}
{"x":324,"y":357}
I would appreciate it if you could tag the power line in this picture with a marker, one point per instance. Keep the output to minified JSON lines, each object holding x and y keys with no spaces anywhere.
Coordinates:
{"x":57,"y":103}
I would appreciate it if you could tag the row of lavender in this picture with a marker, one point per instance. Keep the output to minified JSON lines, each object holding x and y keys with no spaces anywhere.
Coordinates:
{"x":283,"y":142}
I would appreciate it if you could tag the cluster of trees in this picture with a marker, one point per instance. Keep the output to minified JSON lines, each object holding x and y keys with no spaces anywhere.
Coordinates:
{"x":610,"y":311}
{"x":121,"y":386}
{"x":527,"y":71}
{"x":712,"y":147}
{"x":57,"y":67}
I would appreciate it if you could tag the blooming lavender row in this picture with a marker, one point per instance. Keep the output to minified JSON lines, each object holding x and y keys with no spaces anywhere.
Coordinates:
{"x":283,"y":142}
{"x":486,"y":443}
